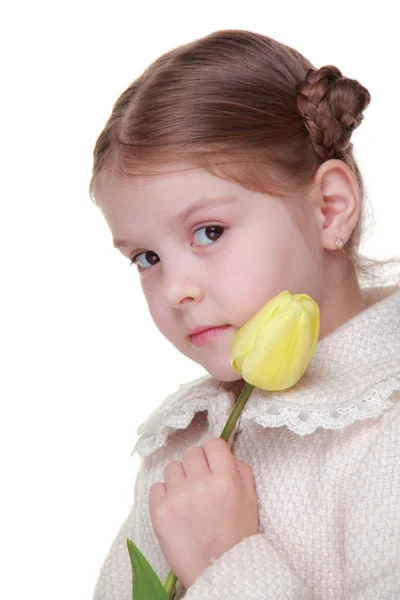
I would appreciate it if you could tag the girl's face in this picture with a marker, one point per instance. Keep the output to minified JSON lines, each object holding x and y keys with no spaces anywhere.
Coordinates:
{"x":211,"y":265}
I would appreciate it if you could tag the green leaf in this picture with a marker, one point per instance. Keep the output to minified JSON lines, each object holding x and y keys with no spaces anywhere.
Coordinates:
{"x":145,"y":582}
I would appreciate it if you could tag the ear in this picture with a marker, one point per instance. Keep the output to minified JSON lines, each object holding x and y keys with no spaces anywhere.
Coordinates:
{"x":337,"y":201}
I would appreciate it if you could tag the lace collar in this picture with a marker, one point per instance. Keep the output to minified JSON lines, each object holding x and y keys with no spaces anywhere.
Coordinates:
{"x":353,"y":372}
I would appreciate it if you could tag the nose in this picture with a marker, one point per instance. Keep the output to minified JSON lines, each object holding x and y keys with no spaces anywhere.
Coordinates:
{"x":178,"y":290}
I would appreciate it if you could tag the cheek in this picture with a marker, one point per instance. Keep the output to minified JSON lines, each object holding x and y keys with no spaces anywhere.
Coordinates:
{"x":255,"y":265}
{"x":162,"y":316}
{"x":156,"y":308}
{"x":257,"y":274}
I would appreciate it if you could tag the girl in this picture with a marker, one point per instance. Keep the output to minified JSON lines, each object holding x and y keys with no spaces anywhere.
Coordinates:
{"x":226,"y":174}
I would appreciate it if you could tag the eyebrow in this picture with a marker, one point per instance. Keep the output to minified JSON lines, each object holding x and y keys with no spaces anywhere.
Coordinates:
{"x":184,"y":215}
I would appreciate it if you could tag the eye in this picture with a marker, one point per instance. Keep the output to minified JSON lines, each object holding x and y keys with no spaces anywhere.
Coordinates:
{"x":214,"y":231}
{"x":149,"y":256}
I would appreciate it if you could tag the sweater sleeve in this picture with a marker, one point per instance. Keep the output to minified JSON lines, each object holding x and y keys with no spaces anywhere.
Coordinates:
{"x":372,"y":521}
{"x":251,"y":569}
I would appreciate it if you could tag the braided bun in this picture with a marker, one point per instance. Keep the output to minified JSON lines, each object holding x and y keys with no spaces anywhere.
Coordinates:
{"x":332,"y":107}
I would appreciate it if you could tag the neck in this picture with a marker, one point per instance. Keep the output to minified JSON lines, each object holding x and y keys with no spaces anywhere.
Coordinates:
{"x":342,"y":301}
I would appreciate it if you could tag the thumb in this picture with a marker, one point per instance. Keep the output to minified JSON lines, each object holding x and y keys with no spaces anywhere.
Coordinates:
{"x":246,"y":474}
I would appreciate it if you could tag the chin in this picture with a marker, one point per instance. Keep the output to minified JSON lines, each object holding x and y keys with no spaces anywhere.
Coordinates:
{"x":233,"y":377}
{"x":222,"y":372}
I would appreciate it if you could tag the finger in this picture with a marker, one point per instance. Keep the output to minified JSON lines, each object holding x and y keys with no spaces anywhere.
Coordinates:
{"x":173,"y":474}
{"x":246,"y":475}
{"x":157,"y":494}
{"x":220,"y":459}
{"x":195,"y":464}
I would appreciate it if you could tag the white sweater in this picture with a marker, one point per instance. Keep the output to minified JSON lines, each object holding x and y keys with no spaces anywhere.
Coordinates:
{"x":326,"y":460}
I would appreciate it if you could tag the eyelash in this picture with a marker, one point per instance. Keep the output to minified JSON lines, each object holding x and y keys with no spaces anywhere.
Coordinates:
{"x":134,"y":258}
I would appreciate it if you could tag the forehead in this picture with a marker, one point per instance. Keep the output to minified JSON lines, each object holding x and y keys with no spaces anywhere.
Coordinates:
{"x":129,"y":204}
{"x":165,"y":193}
{"x":169,"y":185}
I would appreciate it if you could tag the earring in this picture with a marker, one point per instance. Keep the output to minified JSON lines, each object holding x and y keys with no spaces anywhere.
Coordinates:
{"x":339,"y":243}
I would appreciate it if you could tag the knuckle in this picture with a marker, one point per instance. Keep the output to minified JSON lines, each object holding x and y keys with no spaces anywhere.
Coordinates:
{"x":180,"y":501}
{"x":250,"y":471}
{"x":156,"y":494}
{"x":171,"y":466}
{"x":191,"y":450}
{"x":245,"y":466}
{"x":247,"y":471}
{"x":153,"y":490}
{"x":224,"y":485}
{"x":177,"y":505}
{"x":215,"y":443}
{"x":198,"y":488}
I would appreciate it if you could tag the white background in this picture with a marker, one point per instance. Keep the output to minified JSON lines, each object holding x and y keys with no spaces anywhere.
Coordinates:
{"x":80,"y":352}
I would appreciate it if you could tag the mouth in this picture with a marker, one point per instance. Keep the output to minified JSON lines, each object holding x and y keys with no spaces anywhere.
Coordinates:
{"x":206,"y":336}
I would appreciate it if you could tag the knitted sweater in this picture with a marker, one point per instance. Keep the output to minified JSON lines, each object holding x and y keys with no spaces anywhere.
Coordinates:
{"x":326,"y":460}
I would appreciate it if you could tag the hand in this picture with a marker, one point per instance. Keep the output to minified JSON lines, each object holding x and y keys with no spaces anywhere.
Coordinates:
{"x":207,"y":504}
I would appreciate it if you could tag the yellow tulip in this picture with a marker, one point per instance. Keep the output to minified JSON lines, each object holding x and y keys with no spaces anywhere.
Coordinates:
{"x":273,"y":349}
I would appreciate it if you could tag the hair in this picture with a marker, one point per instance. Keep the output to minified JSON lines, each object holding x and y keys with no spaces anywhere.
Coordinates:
{"x":244,"y":107}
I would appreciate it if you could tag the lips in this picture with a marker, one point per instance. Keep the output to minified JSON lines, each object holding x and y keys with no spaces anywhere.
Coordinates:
{"x":202,"y":328}
{"x":205,"y":336}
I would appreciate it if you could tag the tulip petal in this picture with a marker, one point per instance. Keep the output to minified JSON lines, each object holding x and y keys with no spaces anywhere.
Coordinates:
{"x":313,"y":309}
{"x":281,"y":352}
{"x":273,"y":349}
{"x":244,"y":340}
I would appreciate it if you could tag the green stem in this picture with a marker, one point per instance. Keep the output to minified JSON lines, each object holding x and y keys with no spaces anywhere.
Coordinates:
{"x":244,"y":395}
{"x":237,"y":411}
{"x":169,"y":584}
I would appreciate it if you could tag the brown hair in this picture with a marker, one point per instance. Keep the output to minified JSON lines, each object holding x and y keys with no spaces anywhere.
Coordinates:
{"x":242,"y":106}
